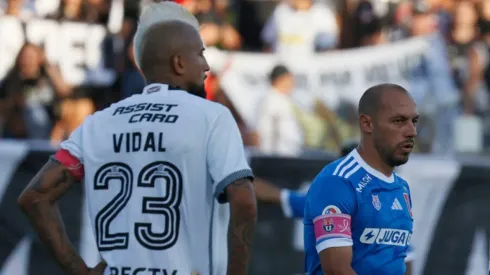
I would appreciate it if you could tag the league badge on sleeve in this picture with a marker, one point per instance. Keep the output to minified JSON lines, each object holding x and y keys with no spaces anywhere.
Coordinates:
{"x":331,"y":209}
{"x":376,"y":202}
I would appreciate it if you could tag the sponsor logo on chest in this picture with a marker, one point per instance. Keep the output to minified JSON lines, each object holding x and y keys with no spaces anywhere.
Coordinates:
{"x":386,"y":236}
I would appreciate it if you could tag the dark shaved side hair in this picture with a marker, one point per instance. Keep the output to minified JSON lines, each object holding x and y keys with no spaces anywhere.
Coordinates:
{"x":371,"y":99}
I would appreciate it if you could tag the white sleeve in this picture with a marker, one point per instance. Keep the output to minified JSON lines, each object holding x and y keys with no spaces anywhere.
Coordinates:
{"x":74,"y":143}
{"x":287,"y":210}
{"x":225,"y":154}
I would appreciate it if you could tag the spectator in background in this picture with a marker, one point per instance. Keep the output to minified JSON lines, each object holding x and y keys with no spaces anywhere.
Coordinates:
{"x":300,"y":27}
{"x":132,"y":81}
{"x":71,"y":112}
{"x":367,"y":26}
{"x":476,"y":100}
{"x":18,"y":8}
{"x":475,"y":96}
{"x":98,"y":11}
{"x":71,"y":10}
{"x":462,"y":36}
{"x":401,"y":21}
{"x":278,"y":129}
{"x":249,"y":136}
{"x":28,"y":94}
{"x":216,"y":30}
{"x":73,"y":109}
{"x":439,"y":9}
{"x":432,"y":86}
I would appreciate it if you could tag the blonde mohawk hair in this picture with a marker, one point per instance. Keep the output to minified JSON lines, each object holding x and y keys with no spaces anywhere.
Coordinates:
{"x":155,"y":14}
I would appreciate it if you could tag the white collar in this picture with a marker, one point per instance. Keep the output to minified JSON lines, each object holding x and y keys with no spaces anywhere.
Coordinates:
{"x":158,"y":87}
{"x":370,"y":169}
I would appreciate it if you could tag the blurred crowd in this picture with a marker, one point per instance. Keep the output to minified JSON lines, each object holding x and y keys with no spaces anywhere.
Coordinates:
{"x":37,"y":103}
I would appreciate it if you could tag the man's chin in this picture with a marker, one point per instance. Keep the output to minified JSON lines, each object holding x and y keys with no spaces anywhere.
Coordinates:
{"x":400,"y":160}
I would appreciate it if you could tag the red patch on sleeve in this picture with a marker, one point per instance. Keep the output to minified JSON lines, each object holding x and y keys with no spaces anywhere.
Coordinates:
{"x":71,"y":163}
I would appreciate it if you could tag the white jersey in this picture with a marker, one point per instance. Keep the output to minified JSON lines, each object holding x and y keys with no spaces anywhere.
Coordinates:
{"x":155,"y":169}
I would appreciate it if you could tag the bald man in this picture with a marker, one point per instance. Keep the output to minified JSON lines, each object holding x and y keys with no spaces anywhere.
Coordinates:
{"x":358,"y":212}
{"x":165,"y":174}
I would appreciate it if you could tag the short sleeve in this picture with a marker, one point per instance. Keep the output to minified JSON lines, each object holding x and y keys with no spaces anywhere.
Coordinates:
{"x":70,"y":155}
{"x":292,"y":203}
{"x":330,"y":204}
{"x":226,"y":158}
{"x":74,"y":143}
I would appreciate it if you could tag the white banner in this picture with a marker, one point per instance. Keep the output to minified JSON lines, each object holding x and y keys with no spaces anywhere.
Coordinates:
{"x":332,"y":77}
{"x":76,"y":47}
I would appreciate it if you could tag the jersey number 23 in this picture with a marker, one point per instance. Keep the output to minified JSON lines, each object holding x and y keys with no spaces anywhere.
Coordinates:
{"x":118,"y":173}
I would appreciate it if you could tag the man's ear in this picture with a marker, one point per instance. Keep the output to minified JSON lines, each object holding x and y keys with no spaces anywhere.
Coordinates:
{"x":178,"y":64}
{"x":366,"y":123}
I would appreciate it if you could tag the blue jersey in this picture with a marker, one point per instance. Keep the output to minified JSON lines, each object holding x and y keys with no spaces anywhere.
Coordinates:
{"x":351,"y":204}
{"x":293,"y":203}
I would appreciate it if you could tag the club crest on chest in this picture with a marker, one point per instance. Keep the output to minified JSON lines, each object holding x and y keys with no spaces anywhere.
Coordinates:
{"x":376,"y":202}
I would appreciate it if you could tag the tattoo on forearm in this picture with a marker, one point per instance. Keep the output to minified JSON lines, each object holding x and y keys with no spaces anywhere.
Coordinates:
{"x":241,"y":232}
{"x":40,"y":198}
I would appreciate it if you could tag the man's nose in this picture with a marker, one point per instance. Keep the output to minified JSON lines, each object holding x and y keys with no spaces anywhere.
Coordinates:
{"x":411,"y":131}
{"x":206,"y":66}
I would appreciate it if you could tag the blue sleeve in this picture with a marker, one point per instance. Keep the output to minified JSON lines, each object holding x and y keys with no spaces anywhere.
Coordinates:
{"x":293,"y":203}
{"x":329,"y":206}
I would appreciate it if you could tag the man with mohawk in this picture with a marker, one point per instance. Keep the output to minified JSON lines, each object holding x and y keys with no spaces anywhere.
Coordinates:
{"x":164,"y":172}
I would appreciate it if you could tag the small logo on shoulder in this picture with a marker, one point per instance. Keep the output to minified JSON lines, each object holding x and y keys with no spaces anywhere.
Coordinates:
{"x":154,"y":89}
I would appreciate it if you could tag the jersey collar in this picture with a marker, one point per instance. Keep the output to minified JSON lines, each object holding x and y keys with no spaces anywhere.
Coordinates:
{"x":370,"y":169}
{"x":158,"y":87}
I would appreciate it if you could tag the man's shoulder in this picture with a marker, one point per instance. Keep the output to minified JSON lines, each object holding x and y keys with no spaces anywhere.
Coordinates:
{"x":202,"y":106}
{"x":401,"y":181}
{"x":347,"y":168}
{"x":335,"y":173}
{"x":348,"y":171}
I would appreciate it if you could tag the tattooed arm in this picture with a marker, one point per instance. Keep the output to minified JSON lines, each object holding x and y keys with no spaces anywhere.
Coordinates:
{"x":243,"y":205}
{"x":38,"y":201}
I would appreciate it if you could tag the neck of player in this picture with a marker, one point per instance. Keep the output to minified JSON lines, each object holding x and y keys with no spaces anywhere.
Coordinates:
{"x":165,"y":79}
{"x":371,"y":156}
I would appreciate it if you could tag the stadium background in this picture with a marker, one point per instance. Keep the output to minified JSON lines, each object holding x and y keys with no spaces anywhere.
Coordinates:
{"x":61,"y":60}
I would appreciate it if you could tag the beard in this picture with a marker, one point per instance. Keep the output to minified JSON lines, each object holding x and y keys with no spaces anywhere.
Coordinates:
{"x":197,"y":90}
{"x":389,"y":154}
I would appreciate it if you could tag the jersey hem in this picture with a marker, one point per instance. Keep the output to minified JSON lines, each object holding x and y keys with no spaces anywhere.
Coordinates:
{"x":220,"y":187}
